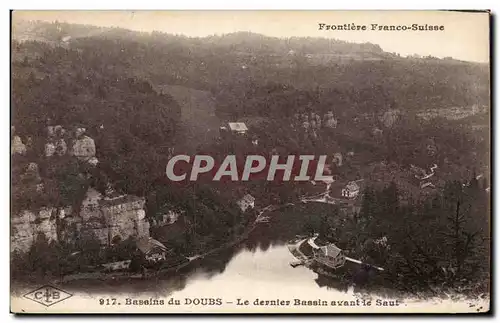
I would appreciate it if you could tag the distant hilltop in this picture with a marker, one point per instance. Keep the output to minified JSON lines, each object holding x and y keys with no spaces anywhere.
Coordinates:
{"x":239,"y":42}
{"x":316,"y":50}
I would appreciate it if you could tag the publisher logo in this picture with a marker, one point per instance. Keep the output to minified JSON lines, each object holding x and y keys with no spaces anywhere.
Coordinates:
{"x":48,"y":295}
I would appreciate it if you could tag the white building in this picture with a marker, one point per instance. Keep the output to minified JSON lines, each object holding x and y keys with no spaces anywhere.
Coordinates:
{"x":351,"y":190}
{"x":152,"y":249}
{"x":238,"y":127}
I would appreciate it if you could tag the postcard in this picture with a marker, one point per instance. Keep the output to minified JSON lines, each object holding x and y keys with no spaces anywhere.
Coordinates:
{"x":250,"y":162}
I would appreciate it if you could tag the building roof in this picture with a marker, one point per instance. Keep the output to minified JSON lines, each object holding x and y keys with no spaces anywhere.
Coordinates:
{"x":147,"y":245}
{"x":352,"y":186}
{"x":237,"y":126}
{"x":331,"y":250}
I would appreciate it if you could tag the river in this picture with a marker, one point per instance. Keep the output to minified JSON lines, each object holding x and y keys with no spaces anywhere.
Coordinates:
{"x":256,"y":269}
{"x":259,"y":276}
{"x":262,"y":260}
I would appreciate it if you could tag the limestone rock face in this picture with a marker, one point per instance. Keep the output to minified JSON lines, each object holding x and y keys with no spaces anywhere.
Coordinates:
{"x":90,"y":205}
{"x":40,"y":187}
{"x":142,"y":225}
{"x":21,"y":236}
{"x":59,"y":131}
{"x":93,"y":161}
{"x":50,"y":149}
{"x":117,"y":217}
{"x":329,"y":120}
{"x":73,"y":228}
{"x":102,"y":218}
{"x":126,"y":217}
{"x":17,"y":146}
{"x":100,"y":233}
{"x":315,"y":120}
{"x":337,"y":159}
{"x":32,"y":167}
{"x":84,"y":148}
{"x":79,"y":132}
{"x":26,"y":226}
{"x":61,"y":148}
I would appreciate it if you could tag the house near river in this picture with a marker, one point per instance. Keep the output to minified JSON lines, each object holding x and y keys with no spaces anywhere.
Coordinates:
{"x":153,"y":250}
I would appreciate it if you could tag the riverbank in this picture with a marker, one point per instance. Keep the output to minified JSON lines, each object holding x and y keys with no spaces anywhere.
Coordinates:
{"x":260,"y":218}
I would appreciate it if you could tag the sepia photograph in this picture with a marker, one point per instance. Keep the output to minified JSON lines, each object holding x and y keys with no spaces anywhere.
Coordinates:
{"x":250,"y":162}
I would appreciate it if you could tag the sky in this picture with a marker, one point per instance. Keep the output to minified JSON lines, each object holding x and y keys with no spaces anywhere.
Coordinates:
{"x":465,"y":35}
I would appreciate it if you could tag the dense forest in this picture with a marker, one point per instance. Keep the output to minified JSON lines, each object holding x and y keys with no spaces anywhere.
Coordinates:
{"x":132,"y":124}
{"x":233,"y":65}
{"x":116,"y":83}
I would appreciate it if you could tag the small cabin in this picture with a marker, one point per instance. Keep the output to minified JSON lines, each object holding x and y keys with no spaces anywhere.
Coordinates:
{"x":153,"y":250}
{"x":330,"y":255}
{"x":238,"y":127}
{"x":351,"y":190}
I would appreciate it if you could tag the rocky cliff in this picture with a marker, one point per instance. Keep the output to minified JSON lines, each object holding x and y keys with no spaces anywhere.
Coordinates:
{"x":17,"y":146}
{"x":27,"y":225}
{"x":109,"y":220}
{"x":84,"y":148}
{"x":113,"y":219}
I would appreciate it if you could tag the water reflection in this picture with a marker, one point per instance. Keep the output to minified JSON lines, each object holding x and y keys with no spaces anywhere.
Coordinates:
{"x":261,"y":260}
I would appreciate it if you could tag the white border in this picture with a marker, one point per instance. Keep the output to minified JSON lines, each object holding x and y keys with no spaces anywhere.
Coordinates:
{"x":185,"y":4}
